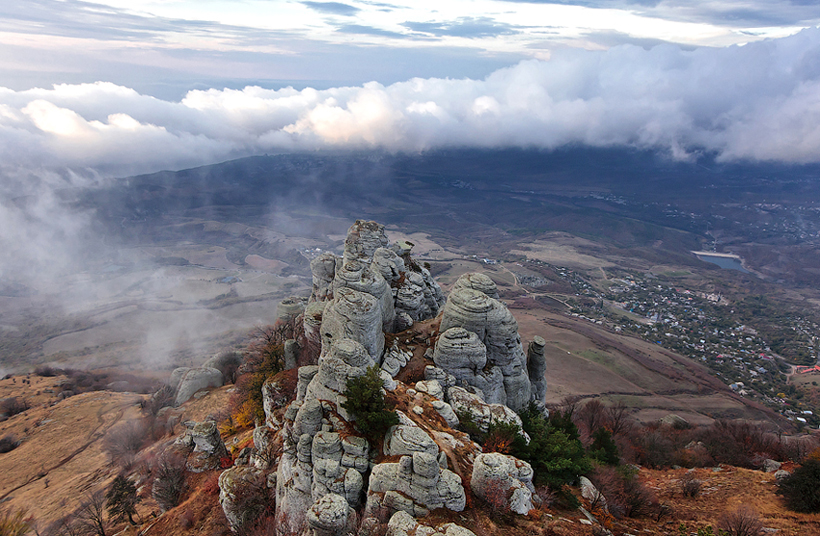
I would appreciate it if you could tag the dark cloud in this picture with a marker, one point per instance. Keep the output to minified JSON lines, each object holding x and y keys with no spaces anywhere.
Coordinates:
{"x":332,"y":8}
{"x":464,"y":27}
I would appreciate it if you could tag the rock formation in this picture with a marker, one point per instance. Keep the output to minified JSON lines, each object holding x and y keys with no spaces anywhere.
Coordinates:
{"x":326,"y":471}
{"x":504,"y":378}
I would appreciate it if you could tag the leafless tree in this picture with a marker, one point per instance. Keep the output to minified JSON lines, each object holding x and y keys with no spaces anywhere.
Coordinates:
{"x":91,"y":514}
{"x":124,"y":441}
{"x":741,"y":522}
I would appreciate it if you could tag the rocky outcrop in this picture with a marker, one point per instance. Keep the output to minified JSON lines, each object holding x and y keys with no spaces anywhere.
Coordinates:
{"x":416,"y":485}
{"x":203,"y":441}
{"x":323,"y":268}
{"x":537,"y":369}
{"x":363,"y":239}
{"x":291,"y":307}
{"x":244,"y":495}
{"x":496,"y":328}
{"x":320,"y":455}
{"x":397,"y":293}
{"x":354,"y":315}
{"x":196,"y":379}
{"x":346,"y":359}
{"x":503,"y":481}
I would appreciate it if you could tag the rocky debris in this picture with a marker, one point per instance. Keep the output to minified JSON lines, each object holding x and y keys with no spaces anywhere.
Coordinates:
{"x":482,"y":414}
{"x":196,"y":379}
{"x":770,"y":466}
{"x":207,"y":449}
{"x":503,"y":481}
{"x":537,"y":369}
{"x":331,"y":516}
{"x":403,"y":524}
{"x":291,"y":307}
{"x":244,"y":495}
{"x":496,"y":328}
{"x":416,"y":485}
{"x":479,"y":282}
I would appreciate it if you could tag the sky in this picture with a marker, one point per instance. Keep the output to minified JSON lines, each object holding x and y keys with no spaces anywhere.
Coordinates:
{"x":109,"y":88}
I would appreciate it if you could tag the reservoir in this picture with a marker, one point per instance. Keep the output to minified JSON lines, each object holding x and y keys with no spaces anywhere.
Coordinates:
{"x":724,"y":260}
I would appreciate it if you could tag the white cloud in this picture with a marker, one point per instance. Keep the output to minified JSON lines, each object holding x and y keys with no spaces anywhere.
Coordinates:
{"x":759,"y":102}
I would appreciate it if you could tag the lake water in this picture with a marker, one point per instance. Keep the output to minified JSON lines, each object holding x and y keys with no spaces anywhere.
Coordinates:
{"x":728,"y":263}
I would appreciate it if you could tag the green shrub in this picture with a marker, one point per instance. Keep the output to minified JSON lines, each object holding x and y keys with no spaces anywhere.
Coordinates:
{"x":801,"y":489}
{"x":365,"y":402}
{"x":555,"y":457}
{"x":603,"y":448}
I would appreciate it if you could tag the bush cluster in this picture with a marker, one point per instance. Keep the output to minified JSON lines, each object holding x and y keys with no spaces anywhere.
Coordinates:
{"x":365,"y":402}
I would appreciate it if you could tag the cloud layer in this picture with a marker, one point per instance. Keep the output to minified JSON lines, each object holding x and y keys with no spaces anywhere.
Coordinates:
{"x":760,"y":101}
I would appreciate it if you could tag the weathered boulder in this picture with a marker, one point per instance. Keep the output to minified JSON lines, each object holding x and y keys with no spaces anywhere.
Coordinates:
{"x":461,"y":353}
{"x":446,"y":411}
{"x":416,"y":485}
{"x":196,"y":379}
{"x":330,"y":516}
{"x":395,"y":359}
{"x":244,"y":495}
{"x":354,"y":315}
{"x":591,"y":493}
{"x":176,"y":376}
{"x":503,"y":481}
{"x":781,"y":475}
{"x":675,"y":421}
{"x":770,"y":466}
